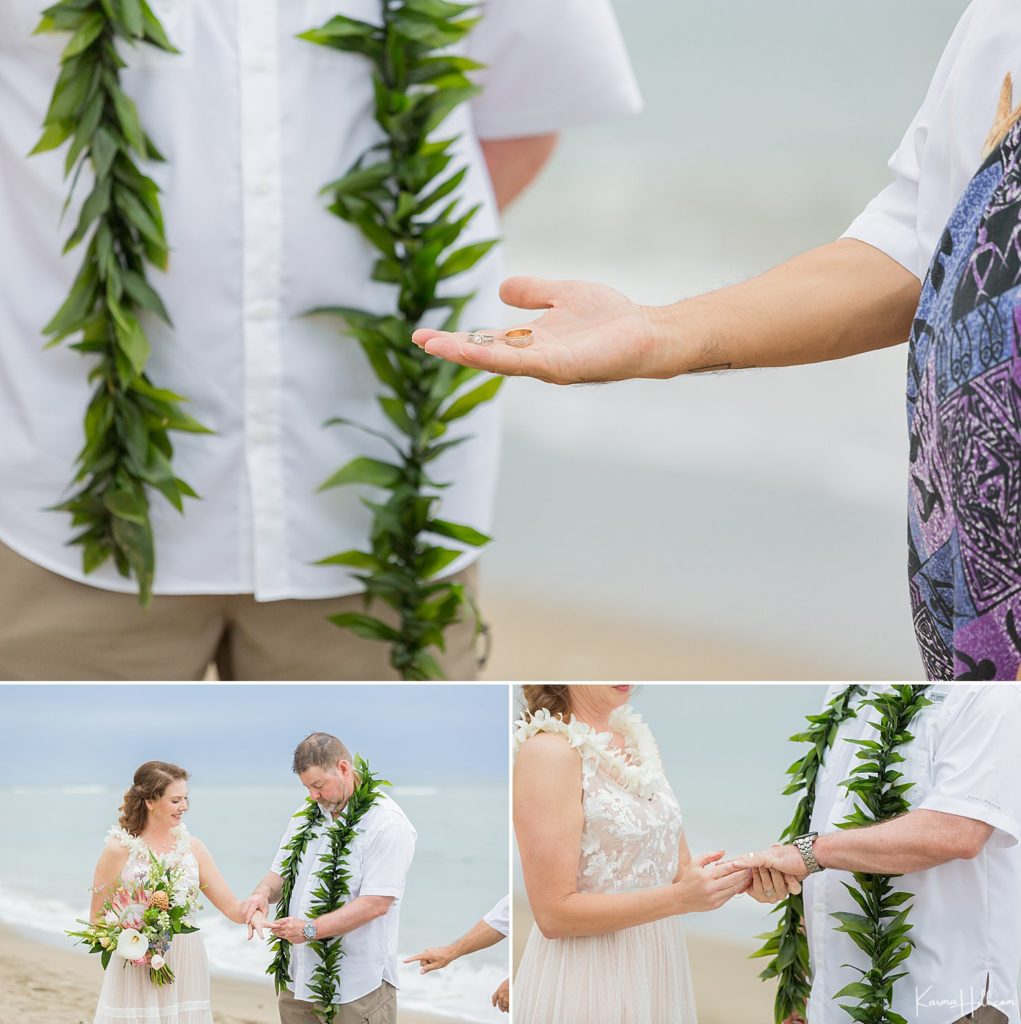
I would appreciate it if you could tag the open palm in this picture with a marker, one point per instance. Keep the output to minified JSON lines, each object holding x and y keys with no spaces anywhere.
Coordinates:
{"x":588,"y":334}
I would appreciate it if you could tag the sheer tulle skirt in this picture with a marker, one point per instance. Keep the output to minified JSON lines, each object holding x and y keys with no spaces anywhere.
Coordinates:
{"x":129,"y":997}
{"x":636,"y":976}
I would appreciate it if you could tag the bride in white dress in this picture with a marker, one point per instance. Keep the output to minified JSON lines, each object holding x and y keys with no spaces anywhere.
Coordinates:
{"x":606,"y":866}
{"x":150,"y":821}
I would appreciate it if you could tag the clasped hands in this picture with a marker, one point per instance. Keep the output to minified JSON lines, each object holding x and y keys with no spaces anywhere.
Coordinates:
{"x":768,"y":876}
{"x":255,"y":911}
{"x":776,"y":872}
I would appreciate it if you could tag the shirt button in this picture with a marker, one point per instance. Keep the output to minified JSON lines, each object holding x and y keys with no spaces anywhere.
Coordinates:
{"x":260,"y":311}
{"x":262,"y":188}
{"x":260,"y":64}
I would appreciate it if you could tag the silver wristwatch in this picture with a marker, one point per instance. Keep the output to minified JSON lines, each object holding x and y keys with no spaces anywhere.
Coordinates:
{"x":310,"y":931}
{"x":806,"y":847}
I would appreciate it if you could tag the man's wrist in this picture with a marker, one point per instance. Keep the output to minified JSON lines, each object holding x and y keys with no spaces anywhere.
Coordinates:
{"x":685,"y":337}
{"x":805,"y":845}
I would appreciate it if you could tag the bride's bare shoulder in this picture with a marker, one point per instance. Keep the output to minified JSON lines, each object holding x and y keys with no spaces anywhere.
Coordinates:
{"x":547,"y":751}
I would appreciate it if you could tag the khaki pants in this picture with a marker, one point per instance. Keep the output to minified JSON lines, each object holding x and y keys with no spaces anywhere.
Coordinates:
{"x":55,"y":628}
{"x":379,"y":1007}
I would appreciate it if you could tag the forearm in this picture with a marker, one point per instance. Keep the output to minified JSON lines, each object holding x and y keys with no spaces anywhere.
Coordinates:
{"x":361,"y":910}
{"x":270,"y":887}
{"x":481,"y":936}
{"x":838,"y":300}
{"x":584,"y":913}
{"x":515,"y":163}
{"x":915,"y":841}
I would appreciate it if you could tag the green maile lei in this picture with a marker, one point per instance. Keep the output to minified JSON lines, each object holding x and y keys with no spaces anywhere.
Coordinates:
{"x":401,"y":195}
{"x":128,"y":422}
{"x":331,"y":893}
{"x":881,"y":929}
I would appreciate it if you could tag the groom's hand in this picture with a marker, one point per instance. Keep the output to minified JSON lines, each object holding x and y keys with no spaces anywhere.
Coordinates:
{"x":434,"y":959}
{"x":588,"y":334}
{"x":785,"y":859}
{"x":290,"y":928}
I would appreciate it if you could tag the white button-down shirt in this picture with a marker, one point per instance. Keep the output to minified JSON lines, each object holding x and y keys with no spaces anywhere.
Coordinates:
{"x":253,"y":122}
{"x":965,"y":759}
{"x":943,"y":146}
{"x":378,"y":864}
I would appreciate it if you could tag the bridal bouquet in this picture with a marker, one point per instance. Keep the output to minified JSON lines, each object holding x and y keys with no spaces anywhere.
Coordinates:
{"x":139,"y":921}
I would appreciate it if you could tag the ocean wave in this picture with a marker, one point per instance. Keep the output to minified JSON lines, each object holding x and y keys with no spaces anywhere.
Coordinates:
{"x":69,"y":790}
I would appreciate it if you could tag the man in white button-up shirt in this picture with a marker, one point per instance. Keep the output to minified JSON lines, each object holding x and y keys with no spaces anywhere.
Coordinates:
{"x":378,"y":864}
{"x":253,"y":122}
{"x":957,"y":850}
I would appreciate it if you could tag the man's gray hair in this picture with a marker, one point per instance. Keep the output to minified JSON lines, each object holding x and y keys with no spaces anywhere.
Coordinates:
{"x":319,"y":750}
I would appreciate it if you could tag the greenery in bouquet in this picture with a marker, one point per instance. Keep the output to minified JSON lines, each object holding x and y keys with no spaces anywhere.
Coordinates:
{"x":138,"y":922}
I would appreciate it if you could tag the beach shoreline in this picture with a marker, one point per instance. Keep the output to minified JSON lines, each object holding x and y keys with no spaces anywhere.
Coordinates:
{"x":40,"y":983}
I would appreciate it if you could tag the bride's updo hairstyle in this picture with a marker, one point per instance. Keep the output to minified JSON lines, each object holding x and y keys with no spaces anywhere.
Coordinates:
{"x":151,"y":782}
{"x":554,"y":699}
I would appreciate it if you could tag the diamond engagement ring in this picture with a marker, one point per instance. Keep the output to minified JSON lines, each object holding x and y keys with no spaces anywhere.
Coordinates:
{"x":770,"y":893}
{"x":520,"y":337}
{"x":479,"y":338}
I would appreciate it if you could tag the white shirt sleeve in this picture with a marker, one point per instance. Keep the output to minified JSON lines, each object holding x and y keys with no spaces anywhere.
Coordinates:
{"x":551,"y":64}
{"x":890,"y":221}
{"x":387,"y":859}
{"x":978,"y":763}
{"x":499,"y":917}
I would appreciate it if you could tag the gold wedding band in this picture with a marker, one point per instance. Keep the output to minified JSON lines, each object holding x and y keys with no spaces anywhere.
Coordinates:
{"x":520,"y":337}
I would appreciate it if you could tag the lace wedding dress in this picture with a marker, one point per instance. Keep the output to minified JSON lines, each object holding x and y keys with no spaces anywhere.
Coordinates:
{"x":128,"y":996}
{"x":632,"y":830}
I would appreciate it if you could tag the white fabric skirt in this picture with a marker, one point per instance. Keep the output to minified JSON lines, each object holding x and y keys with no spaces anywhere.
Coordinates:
{"x":636,"y":976}
{"x":129,"y":997}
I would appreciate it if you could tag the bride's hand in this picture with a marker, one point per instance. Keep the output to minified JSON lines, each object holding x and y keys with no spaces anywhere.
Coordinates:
{"x":588,"y":334}
{"x":257,"y":924}
{"x":707,"y":885}
{"x":771,"y":886}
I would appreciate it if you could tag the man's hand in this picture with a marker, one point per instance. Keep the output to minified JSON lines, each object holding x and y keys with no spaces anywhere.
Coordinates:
{"x":255,"y":904}
{"x":501,"y":997}
{"x":290,"y":928}
{"x":784,"y":859}
{"x":589,"y":334}
{"x":771,"y":886}
{"x":795,"y":1018}
{"x":434,"y":958}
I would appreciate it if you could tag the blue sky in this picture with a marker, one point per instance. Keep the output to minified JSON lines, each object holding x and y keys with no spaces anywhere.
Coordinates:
{"x":232,"y":733}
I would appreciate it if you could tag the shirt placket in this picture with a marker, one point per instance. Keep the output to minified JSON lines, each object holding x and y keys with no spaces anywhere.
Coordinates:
{"x":262,"y":232}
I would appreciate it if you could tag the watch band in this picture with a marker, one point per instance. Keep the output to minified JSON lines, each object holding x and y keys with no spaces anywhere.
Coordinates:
{"x":806,"y":847}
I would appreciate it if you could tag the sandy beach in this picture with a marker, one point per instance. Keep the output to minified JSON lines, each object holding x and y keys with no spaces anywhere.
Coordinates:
{"x":727,"y":986}
{"x":534,"y":639}
{"x":42,"y":984}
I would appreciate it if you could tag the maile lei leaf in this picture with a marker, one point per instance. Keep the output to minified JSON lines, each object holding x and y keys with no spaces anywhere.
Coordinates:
{"x":401,"y":195}
{"x":127,"y":450}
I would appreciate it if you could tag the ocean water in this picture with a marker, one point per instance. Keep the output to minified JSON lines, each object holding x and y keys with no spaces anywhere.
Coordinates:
{"x":766,"y":504}
{"x":459,"y":872}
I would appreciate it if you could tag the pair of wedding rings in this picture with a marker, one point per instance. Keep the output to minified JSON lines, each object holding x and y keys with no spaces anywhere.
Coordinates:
{"x":520,"y":337}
